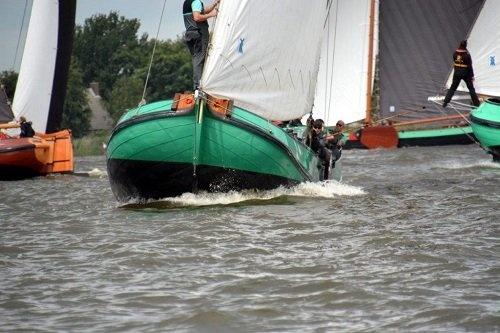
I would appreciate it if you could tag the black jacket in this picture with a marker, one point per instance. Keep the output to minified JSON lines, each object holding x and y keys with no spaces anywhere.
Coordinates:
{"x":462,"y":63}
{"x":26,"y":130}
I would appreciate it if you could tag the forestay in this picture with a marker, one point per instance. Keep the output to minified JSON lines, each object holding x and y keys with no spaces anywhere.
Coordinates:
{"x":342,"y":78}
{"x":265,"y":55}
{"x":484,"y":47}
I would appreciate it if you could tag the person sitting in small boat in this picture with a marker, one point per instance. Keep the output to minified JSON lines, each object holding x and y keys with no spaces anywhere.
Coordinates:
{"x":335,"y":140}
{"x":318,"y":145}
{"x":26,"y":130}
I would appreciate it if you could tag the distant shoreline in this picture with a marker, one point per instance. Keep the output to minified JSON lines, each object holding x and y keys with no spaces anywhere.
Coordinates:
{"x":91,"y":144}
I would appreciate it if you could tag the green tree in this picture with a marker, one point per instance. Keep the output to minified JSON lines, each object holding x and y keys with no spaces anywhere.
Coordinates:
{"x":126,"y":94}
{"x":171,"y":72}
{"x":108,"y":51}
{"x":107,"y":48}
{"x":9,"y":80}
{"x":76,"y":113}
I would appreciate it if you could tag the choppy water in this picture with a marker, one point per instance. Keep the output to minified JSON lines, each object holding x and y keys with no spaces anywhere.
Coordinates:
{"x":409,"y":242}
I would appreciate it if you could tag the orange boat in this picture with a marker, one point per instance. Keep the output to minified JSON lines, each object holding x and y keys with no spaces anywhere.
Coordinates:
{"x":39,"y":97}
{"x":42,"y":154}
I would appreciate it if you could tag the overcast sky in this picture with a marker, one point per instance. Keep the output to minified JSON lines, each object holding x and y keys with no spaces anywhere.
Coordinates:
{"x":147,"y":11}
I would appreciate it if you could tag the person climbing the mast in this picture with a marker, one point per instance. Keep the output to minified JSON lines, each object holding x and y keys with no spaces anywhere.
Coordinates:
{"x":462,"y":70}
{"x":197,"y":35}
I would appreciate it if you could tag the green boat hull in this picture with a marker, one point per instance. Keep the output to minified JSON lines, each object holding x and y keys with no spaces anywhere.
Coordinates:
{"x":436,"y":137}
{"x":486,"y":126}
{"x":424,"y":138}
{"x":155,"y":152}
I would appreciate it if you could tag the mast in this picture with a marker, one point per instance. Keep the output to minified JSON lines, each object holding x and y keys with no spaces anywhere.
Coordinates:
{"x":369,"y":77}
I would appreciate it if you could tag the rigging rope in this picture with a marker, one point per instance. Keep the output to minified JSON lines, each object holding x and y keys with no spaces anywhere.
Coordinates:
{"x":329,"y":89}
{"x":472,"y":138}
{"x":143,"y":100}
{"x":20,"y":32}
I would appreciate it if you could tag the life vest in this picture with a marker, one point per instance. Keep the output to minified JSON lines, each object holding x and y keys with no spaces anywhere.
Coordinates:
{"x":459,"y":59}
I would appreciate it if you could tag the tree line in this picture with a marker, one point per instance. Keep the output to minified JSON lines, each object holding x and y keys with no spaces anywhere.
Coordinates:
{"x":108,"y":50}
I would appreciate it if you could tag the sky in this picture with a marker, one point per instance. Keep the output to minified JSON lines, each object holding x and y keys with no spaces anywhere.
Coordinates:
{"x":147,"y":11}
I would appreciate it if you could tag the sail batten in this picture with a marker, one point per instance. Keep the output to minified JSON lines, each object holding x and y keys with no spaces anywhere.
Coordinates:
{"x":266,"y":63}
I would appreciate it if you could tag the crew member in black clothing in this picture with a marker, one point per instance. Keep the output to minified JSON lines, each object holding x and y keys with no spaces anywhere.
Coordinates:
{"x":318,"y":145}
{"x":335,"y":141}
{"x":197,"y":36}
{"x":26,"y":129}
{"x":462,"y":70}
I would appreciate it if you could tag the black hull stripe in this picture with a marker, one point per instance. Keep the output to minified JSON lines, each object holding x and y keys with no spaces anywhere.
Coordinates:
{"x":155,"y":180}
{"x":484,"y":122}
{"x":460,"y":139}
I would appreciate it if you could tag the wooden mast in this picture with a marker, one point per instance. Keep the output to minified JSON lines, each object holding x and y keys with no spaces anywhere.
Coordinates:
{"x":375,"y":136}
{"x":369,"y":79}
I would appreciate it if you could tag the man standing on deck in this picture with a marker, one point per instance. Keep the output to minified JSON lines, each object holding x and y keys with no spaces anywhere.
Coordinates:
{"x":196,"y":36}
{"x":462,"y":70}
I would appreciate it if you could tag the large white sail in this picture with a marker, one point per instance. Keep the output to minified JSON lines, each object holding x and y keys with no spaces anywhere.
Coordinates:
{"x":342,"y":79}
{"x":484,"y":46}
{"x":265,"y":55}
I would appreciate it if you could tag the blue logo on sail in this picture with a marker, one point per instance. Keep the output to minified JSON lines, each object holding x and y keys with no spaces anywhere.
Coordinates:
{"x":492,"y":61}
{"x":240,"y":47}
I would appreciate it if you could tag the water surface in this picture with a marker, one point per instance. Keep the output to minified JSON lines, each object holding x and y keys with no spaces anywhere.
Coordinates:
{"x":408,"y":242}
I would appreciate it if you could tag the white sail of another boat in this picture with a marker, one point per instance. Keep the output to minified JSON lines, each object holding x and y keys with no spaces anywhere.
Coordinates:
{"x":265,"y":55}
{"x":484,"y":47}
{"x":41,"y":86}
{"x":342,"y":80}
{"x":34,"y":85}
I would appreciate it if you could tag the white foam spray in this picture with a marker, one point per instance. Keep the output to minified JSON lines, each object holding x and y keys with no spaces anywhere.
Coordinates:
{"x":327,"y":189}
{"x":457,"y":165}
{"x":97,"y":173}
